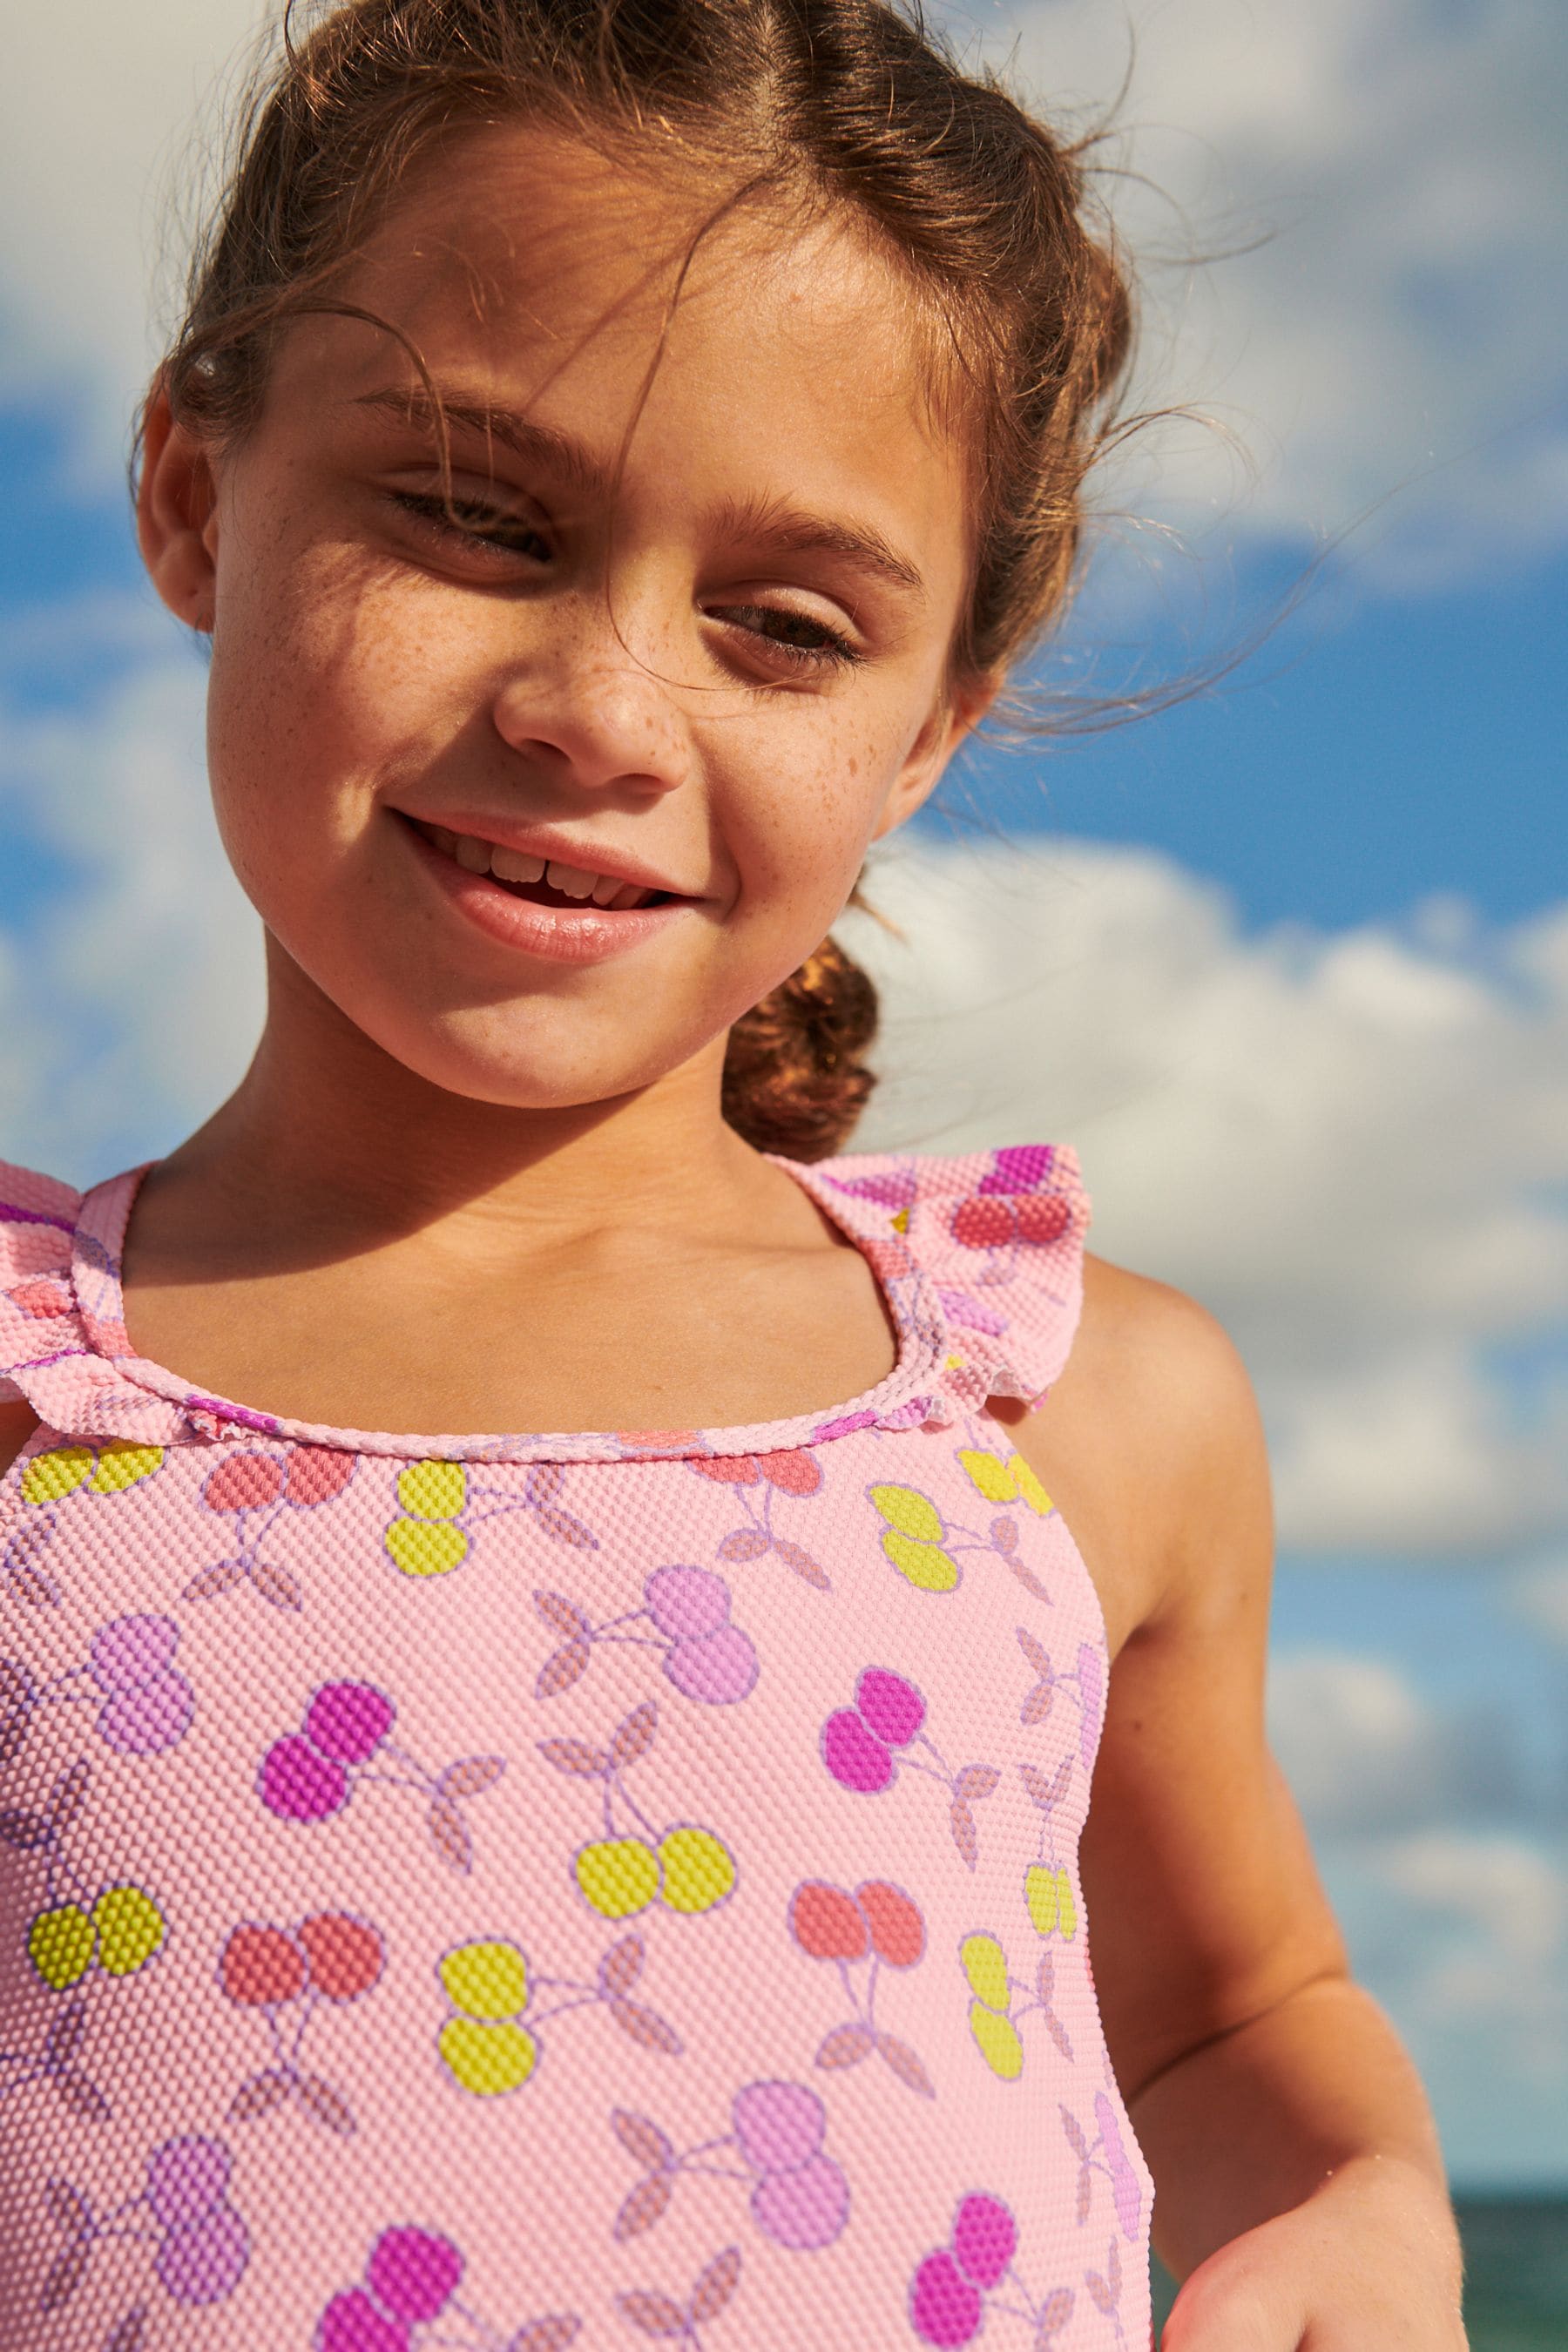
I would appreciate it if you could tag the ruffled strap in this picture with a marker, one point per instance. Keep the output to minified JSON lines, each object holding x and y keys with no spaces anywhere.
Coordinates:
{"x":52,"y":1355}
{"x":998,"y":1238}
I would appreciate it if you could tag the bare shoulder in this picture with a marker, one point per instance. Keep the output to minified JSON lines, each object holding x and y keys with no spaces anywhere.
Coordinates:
{"x":17,"y":1422}
{"x":1151,"y":1445}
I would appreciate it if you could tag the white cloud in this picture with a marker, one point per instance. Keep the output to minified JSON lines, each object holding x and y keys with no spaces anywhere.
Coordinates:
{"x":1406,"y":154}
{"x":1539,"y":1593}
{"x":1364,"y":1751}
{"x":1350,"y":1147}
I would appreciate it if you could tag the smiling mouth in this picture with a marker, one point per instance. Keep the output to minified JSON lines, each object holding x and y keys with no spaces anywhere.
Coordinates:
{"x":542,"y":882}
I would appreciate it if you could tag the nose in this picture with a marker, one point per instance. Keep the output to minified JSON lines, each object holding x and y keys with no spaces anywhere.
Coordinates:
{"x":598,"y":717}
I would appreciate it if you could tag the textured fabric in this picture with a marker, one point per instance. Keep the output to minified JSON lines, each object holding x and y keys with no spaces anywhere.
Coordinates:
{"x":556,"y":1889}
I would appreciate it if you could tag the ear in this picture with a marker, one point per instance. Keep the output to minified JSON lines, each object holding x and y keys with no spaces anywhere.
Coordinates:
{"x":960,"y":711}
{"x":176,"y":514}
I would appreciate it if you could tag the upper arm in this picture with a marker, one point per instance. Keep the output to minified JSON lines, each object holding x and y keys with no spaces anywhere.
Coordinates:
{"x":1206,"y":1906}
{"x":17,"y":1422}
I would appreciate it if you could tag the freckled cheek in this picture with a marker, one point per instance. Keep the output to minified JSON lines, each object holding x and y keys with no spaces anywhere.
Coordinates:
{"x":799,"y":825}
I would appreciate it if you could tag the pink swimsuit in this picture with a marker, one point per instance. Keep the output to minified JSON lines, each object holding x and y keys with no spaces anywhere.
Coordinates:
{"x":518,"y":1892}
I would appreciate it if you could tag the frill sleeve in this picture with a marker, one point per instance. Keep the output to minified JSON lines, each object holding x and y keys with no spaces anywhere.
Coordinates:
{"x":38,"y":1321}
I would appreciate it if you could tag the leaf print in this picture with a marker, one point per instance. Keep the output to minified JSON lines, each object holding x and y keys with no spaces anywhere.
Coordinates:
{"x":69,"y":1795}
{"x":1074,"y":2130}
{"x":976,"y":1781}
{"x":66,"y":2275}
{"x":745,"y":1543}
{"x":563,"y":1614}
{"x":847,"y":2045}
{"x":1037,"y":1704}
{"x":644,"y":2207}
{"x":965,"y":1836}
{"x":449,"y":1833}
{"x":1058,"y":2035}
{"x":1004,"y":1535}
{"x":1029,"y":1581}
{"x":634,"y":1737}
{"x":717,"y":2283}
{"x":1043,"y":1792}
{"x":905,"y":2065}
{"x":545,"y":1480}
{"x":802,"y":1564}
{"x":1100,"y":2291}
{"x":470,"y":1776}
{"x":259,"y":2094}
{"x":68,"y":2208}
{"x":1035,"y":1651}
{"x":1055,"y":2313}
{"x":213,"y":1583}
{"x":621,"y":1966}
{"x":131,"y":2333}
{"x":641,"y":2139}
{"x":24,"y":1831}
{"x":276,"y":1584}
{"x":653,"y":2313}
{"x":550,"y":2335}
{"x":1085,"y":2193}
{"x":564,"y":1528}
{"x":646,"y":2027}
{"x":25,"y":1579}
{"x":1113,"y":2269}
{"x":328,"y":2106}
{"x":64,"y":2042}
{"x":83,"y":2098}
{"x":561,"y":1670}
{"x":575,"y":1756}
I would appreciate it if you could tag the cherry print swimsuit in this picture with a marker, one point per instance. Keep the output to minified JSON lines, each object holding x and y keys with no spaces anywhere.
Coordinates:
{"x":520,"y":1892}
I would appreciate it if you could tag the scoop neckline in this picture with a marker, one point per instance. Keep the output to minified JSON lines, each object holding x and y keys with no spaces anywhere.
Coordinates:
{"x":903,"y":1398}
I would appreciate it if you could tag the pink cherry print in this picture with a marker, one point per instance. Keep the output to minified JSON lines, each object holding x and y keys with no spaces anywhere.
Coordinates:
{"x":150,"y":1718}
{"x":1126,"y":2190}
{"x":687,"y":1602}
{"x":349,"y":1721}
{"x":131,"y":1650}
{"x":414,"y":2274}
{"x":779,"y":2125}
{"x":945,"y":2308}
{"x":204,"y":2261}
{"x":855,"y":1760}
{"x":805,"y":2207}
{"x":717,"y":1669}
{"x":892,"y":1706}
{"x":297,"y":1785}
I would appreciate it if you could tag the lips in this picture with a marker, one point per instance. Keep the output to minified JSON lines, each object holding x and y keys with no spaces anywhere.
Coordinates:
{"x":561,"y":916}
{"x":545,"y":871}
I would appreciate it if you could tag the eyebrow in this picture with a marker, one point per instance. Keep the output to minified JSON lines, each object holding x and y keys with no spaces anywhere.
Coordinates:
{"x":759,"y":522}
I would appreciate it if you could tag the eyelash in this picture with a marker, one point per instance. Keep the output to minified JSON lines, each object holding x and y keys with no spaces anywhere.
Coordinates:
{"x":448,"y":518}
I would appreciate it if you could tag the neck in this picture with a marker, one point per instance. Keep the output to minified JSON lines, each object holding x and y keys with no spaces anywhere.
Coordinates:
{"x":327,"y":1127}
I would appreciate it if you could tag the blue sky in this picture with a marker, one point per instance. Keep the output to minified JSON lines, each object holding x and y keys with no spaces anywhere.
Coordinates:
{"x":1288,"y":962}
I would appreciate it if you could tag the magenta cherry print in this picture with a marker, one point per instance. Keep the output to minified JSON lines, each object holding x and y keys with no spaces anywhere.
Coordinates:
{"x":345,"y":1743}
{"x":959,"y":2287}
{"x":410,"y":2289}
{"x":800,"y":2196}
{"x":685,"y":1616}
{"x":865,"y":1746}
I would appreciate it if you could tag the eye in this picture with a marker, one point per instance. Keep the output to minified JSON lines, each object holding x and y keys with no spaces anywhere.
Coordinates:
{"x":800,"y":638}
{"x":474,"y":524}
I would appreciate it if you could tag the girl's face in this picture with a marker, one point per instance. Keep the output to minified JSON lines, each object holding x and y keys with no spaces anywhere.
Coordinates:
{"x":546,"y":794}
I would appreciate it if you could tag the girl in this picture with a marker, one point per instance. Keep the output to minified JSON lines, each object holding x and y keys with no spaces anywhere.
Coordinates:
{"x":622,"y":1877}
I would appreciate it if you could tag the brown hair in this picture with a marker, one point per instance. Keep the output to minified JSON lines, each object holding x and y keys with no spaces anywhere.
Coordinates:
{"x":848,"y":104}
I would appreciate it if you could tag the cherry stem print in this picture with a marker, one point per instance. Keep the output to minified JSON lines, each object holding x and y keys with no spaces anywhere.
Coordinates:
{"x":1104,"y":2155}
{"x":1086,"y":1683}
{"x":344,"y":1743}
{"x":443,"y":1503}
{"x":408,"y":2302}
{"x":858,"y":1745}
{"x":105,"y":1469}
{"x":800,"y":2198}
{"x":285,"y":1973}
{"x":144,"y":1703}
{"x":489,"y":2045}
{"x":959,"y":2287}
{"x":879,"y":1923}
{"x":687,"y":1610}
{"x":758,"y":1480}
{"x":257,"y":1489}
{"x":184,"y":2210}
{"x":1048,"y":1882}
{"x":687,"y":1868}
{"x":661,"y":2315}
{"x":994,"y":2016}
{"x":921,"y":1541}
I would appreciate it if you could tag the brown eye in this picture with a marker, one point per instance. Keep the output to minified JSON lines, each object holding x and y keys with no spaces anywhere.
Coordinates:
{"x":471,"y":522}
{"x":799,"y":636}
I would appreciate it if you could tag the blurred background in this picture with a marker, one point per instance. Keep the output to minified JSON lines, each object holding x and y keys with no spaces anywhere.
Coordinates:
{"x":1288,"y":963}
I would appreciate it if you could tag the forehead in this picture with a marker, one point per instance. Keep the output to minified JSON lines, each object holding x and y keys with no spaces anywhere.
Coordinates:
{"x":765,"y":347}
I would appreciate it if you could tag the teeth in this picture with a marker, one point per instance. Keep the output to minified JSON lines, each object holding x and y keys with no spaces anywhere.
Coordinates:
{"x":605,"y":888}
{"x":447,"y":843}
{"x":473,"y":856}
{"x":512,"y":865}
{"x":575,"y":881}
